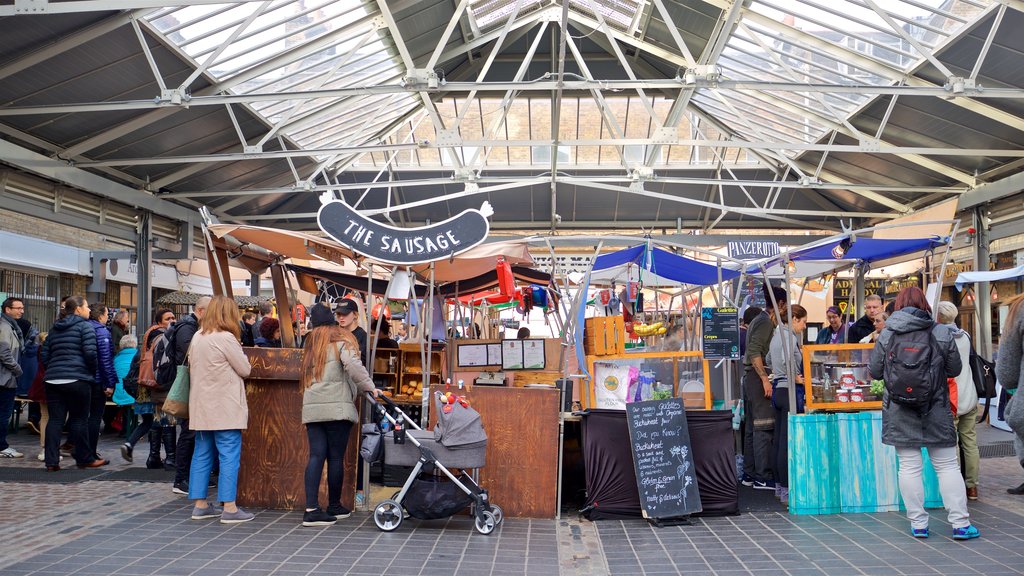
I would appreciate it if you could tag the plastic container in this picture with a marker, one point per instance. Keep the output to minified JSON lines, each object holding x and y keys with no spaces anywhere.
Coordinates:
{"x":856,"y":395}
{"x":842,"y":395}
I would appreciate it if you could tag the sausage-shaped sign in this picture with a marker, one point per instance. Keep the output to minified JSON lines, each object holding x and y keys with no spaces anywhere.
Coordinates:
{"x":403,"y":246}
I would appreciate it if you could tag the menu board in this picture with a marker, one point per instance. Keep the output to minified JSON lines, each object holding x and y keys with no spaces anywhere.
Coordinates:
{"x":662,"y":458}
{"x":511,"y":354}
{"x":720,"y":328}
{"x":493,"y":354}
{"x":525,"y":354}
{"x":533,"y":354}
{"x":472,"y":355}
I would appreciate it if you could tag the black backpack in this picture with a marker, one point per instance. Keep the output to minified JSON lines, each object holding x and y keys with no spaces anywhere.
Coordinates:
{"x":131,"y":380}
{"x":912,"y":369}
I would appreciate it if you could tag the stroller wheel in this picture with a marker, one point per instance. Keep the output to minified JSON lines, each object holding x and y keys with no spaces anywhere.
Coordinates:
{"x":498,"y":515}
{"x":488,"y":524}
{"x":387,"y":515}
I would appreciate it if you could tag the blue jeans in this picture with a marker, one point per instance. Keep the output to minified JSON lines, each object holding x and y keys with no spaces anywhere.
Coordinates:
{"x":229,"y":446}
{"x":6,"y":409}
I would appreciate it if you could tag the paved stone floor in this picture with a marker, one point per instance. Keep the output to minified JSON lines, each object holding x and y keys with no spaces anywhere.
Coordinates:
{"x":97,"y":526}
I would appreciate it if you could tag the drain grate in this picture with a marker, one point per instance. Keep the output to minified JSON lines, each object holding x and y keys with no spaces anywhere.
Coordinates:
{"x":997,"y":449}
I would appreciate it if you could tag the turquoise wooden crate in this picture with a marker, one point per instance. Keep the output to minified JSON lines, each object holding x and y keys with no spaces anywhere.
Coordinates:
{"x":814,"y":464}
{"x":838,"y":464}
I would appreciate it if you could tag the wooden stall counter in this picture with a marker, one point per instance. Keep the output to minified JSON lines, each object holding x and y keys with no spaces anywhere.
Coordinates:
{"x":521,"y":474}
{"x":274,"y":447}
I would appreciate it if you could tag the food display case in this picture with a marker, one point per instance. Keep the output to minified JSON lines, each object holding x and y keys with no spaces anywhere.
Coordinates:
{"x":619,"y":379}
{"x":839,"y":378}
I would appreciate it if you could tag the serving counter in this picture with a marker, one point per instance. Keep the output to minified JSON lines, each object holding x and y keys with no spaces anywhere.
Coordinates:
{"x":521,"y":474}
{"x":274,"y":447}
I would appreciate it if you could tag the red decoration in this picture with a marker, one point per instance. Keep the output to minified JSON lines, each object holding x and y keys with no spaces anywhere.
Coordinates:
{"x":506,"y":282}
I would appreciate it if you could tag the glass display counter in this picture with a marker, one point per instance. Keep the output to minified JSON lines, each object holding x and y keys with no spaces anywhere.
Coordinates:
{"x":839,"y":378}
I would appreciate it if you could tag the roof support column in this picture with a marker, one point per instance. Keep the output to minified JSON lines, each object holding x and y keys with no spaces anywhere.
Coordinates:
{"x":982,"y":290}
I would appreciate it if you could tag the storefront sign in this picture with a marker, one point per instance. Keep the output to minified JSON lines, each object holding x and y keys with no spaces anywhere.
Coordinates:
{"x":841,"y":288}
{"x":720,"y":329}
{"x":404,"y":245}
{"x":663,"y":458}
{"x":510,"y":323}
{"x":893,"y":286}
{"x":752,"y":250}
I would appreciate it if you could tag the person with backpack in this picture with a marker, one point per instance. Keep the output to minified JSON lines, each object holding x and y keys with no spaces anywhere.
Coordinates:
{"x":148,"y":400}
{"x":70,"y":357}
{"x":915,"y":356}
{"x":332,"y":378}
{"x":1010,"y":373}
{"x":173,"y":356}
{"x":965,"y":417}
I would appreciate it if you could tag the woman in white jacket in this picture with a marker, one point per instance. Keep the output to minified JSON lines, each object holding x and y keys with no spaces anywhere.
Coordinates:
{"x":966,"y":416}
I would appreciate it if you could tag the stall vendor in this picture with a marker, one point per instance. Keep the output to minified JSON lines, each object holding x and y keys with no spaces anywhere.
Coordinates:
{"x":347,"y":313}
{"x":834,"y":331}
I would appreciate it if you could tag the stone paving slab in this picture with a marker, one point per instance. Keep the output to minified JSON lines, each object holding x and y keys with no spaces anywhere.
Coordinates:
{"x":116,"y":527}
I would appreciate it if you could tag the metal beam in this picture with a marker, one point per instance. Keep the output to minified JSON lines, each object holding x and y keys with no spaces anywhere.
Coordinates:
{"x":205,"y":97}
{"x":36,"y":7}
{"x":992,"y":191}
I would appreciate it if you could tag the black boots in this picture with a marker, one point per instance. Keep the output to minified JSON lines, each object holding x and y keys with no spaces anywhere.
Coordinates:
{"x":170,"y":437}
{"x":153,"y":462}
{"x":1016,"y":491}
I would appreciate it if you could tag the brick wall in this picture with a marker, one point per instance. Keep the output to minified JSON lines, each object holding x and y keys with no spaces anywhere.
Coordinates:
{"x":57,"y":233}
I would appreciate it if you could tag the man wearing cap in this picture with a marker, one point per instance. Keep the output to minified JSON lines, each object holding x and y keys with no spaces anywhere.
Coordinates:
{"x":834,"y":331}
{"x":347,"y":314}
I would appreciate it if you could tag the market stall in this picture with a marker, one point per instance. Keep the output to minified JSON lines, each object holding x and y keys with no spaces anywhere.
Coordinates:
{"x":837,"y":462}
{"x":620,"y":374}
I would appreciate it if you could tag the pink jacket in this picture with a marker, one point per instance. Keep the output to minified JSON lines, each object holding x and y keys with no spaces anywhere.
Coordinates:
{"x":216,"y":399}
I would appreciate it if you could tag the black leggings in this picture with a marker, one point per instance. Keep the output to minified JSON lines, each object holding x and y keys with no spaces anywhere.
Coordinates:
{"x":140,"y":430}
{"x":327,"y":441}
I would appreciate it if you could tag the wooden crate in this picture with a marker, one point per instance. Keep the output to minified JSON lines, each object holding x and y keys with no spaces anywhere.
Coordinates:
{"x":604,"y":335}
{"x":522,"y":378}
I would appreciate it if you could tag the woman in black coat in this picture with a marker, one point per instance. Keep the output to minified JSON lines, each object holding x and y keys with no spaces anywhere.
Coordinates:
{"x":70,"y":357}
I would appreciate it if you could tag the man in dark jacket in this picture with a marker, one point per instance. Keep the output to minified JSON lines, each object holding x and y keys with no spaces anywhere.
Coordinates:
{"x":186,"y":443}
{"x":11,"y":335}
{"x":873,"y":307}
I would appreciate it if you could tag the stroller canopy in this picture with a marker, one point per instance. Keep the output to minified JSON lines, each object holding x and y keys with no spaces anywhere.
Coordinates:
{"x":460,"y":427}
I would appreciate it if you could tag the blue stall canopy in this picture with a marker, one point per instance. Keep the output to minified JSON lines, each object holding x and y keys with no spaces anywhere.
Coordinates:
{"x":991,"y":276}
{"x":655,"y":267}
{"x":821,"y":257}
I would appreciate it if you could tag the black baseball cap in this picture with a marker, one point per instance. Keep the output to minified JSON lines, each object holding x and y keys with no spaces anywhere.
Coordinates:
{"x":346,"y":306}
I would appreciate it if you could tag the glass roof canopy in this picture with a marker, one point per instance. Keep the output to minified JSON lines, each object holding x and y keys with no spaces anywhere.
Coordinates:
{"x":301,"y":45}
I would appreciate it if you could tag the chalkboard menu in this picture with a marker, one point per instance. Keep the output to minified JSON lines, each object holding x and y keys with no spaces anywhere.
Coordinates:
{"x":721,"y":330}
{"x":662,"y":458}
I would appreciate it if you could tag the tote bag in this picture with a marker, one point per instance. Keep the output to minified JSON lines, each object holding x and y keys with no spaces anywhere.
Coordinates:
{"x":176,"y":403}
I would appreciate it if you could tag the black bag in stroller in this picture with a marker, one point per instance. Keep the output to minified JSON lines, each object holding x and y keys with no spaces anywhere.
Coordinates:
{"x":431,"y":497}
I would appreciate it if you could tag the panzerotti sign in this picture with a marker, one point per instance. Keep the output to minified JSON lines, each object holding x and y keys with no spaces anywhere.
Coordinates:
{"x":403,"y":246}
{"x":752,"y":249}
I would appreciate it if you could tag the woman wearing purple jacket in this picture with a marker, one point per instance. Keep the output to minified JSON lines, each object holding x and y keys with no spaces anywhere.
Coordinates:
{"x":106,"y":376}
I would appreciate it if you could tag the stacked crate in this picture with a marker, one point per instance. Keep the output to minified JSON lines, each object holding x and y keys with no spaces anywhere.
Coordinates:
{"x":604,"y":335}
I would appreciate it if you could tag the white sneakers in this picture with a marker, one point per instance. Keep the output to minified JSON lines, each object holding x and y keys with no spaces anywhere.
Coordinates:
{"x":10,"y":452}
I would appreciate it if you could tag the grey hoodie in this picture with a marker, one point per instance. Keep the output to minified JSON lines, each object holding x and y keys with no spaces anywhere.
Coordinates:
{"x":903,"y":426}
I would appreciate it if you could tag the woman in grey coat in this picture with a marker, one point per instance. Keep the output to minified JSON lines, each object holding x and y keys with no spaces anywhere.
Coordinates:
{"x":909,"y":429}
{"x":1010,"y":373}
{"x":332,"y":378}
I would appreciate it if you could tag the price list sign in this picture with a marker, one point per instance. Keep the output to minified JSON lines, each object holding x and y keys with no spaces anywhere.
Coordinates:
{"x":663,"y":458}
{"x":721,"y":333}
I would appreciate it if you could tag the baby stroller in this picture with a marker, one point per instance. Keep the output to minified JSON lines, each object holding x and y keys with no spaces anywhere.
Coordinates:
{"x":458,"y":441}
